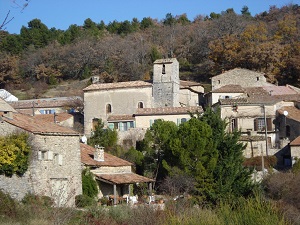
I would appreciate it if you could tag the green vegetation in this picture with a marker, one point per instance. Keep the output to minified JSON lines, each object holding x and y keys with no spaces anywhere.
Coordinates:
{"x":251,"y":211}
{"x":106,"y":138}
{"x":201,"y":150}
{"x":267,"y":42}
{"x":14,"y":154}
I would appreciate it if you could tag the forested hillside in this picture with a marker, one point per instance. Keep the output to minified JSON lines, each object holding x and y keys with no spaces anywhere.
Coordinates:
{"x":120,"y":51}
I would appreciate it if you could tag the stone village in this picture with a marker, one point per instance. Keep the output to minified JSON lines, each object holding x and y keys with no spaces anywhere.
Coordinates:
{"x":267,"y":115}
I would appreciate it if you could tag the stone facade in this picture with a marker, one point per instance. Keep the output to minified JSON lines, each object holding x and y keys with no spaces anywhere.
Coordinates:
{"x":238,"y":76}
{"x":112,"y":102}
{"x":166,"y":83}
{"x":54,"y":166}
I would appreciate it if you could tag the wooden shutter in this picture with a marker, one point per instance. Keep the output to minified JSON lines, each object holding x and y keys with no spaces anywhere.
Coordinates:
{"x":269,"y":124}
{"x":255,"y":125}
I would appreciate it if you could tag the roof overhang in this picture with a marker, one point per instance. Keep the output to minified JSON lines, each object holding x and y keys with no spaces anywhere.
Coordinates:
{"x":123,"y":178}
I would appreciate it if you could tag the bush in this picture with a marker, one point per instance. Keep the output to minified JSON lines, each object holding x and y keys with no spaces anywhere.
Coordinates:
{"x":296,"y":167}
{"x":84,"y":201}
{"x":89,"y":185}
{"x":8,"y":206}
{"x":31,"y":199}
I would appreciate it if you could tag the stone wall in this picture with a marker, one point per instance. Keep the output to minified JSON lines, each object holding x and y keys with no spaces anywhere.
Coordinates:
{"x":17,"y":187}
{"x":54,"y":168}
{"x":243,"y":77}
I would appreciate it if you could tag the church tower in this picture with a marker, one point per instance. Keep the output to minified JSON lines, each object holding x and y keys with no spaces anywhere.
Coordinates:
{"x":166,"y":83}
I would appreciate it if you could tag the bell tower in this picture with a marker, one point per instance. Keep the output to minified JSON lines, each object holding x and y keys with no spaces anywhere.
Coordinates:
{"x":166,"y":83}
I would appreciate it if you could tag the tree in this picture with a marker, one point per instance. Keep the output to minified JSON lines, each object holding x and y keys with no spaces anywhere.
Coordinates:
{"x":231,"y":178}
{"x":245,"y":11}
{"x":14,"y":154}
{"x":192,"y":152}
{"x":104,"y":137}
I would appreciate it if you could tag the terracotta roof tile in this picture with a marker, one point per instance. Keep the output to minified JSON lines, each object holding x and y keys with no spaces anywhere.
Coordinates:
{"x":280,"y":90}
{"x":87,"y":157}
{"x":37,"y":126}
{"x":232,"y":88}
{"x":44,"y":102}
{"x":295,"y":142}
{"x":293,"y":112}
{"x":120,"y":118}
{"x":167,"y":110}
{"x":59,"y":117}
{"x":129,"y":84}
{"x":133,"y":84}
{"x":5,"y":107}
{"x":123,"y":178}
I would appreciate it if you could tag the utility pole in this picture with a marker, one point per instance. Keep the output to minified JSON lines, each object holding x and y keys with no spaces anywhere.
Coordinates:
{"x":266,"y":130}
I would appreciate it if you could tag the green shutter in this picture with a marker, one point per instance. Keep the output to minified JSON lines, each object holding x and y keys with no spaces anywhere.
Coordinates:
{"x":111,"y":126}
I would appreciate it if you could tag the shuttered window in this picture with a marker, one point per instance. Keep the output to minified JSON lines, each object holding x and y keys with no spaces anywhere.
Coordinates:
{"x":259,"y":124}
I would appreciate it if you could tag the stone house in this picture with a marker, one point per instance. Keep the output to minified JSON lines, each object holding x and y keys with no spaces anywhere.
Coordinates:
{"x":118,"y":103}
{"x":114,"y":175}
{"x":48,"y":105}
{"x":54,"y":167}
{"x":241,"y":77}
{"x":253,"y":110}
{"x":295,"y":148}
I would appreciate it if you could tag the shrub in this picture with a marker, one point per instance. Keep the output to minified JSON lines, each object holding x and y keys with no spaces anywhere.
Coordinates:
{"x":89,"y":185}
{"x":84,"y":201}
{"x":31,"y":199}
{"x":8,"y":206}
{"x":296,"y":166}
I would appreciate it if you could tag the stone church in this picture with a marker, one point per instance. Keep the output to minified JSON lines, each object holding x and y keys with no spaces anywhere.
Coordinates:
{"x":136,"y":105}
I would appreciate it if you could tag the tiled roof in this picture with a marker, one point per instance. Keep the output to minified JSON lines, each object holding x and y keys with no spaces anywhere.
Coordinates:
{"x":186,"y":83}
{"x":117,"y":85}
{"x":87,"y":157}
{"x":133,"y":84}
{"x":59,"y":117}
{"x":5,"y":107}
{"x":123,"y":178}
{"x":280,"y":90}
{"x":167,"y":110}
{"x":252,"y":138}
{"x":261,"y":95}
{"x":295,"y":142}
{"x":44,"y":102}
{"x":293,"y":112}
{"x":120,"y":118}
{"x":37,"y":126}
{"x":167,"y":60}
{"x":231,"y":88}
{"x":238,"y":71}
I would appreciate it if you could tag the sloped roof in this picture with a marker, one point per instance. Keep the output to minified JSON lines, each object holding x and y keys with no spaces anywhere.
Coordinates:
{"x":167,"y":60}
{"x":35,"y":125}
{"x":264,"y":95}
{"x":241,"y":71}
{"x":120,"y":118}
{"x":123,"y":178}
{"x":293,"y":112}
{"x":44,"y":102}
{"x":87,"y":158}
{"x":295,"y":142}
{"x":231,"y":88}
{"x":118,"y":85}
{"x":5,"y":107}
{"x":59,"y":117}
{"x":167,"y":110}
{"x":133,"y":84}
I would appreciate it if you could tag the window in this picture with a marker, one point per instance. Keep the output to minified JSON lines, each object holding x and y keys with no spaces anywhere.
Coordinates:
{"x":94,"y":123}
{"x":234,"y":124}
{"x":219,"y":82}
{"x":108,"y":108}
{"x":259,"y":124}
{"x":287,"y":131}
{"x":140,"y":105}
{"x":164,"y":69}
{"x":257,"y":78}
{"x":183,"y":120}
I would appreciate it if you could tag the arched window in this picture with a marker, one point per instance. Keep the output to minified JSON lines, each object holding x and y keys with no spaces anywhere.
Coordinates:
{"x":108,"y":108}
{"x":164,"y":69}
{"x":140,"y":105}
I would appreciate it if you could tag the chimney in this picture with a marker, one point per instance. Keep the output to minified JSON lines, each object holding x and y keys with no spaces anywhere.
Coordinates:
{"x":99,"y":153}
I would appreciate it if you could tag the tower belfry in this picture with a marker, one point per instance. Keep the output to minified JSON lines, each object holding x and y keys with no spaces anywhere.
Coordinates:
{"x":166,"y":83}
